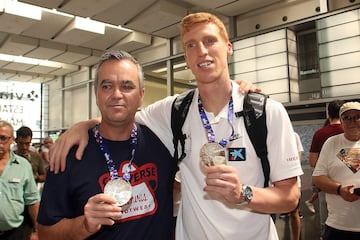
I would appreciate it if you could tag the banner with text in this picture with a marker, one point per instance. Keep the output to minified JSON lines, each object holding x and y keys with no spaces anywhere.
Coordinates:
{"x":20,"y":104}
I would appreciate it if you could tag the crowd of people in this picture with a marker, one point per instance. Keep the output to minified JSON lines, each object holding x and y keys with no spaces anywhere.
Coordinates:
{"x":113,"y":177}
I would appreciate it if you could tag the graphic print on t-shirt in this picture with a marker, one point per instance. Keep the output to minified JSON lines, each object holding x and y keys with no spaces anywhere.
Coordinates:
{"x":144,"y":182}
{"x":351,"y":158}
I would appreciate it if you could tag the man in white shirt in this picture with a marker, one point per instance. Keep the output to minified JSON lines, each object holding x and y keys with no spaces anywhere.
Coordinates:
{"x":337,"y":173}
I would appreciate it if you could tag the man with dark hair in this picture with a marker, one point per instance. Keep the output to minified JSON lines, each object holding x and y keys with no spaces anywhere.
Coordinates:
{"x":23,"y":144}
{"x":23,"y":148}
{"x":333,"y":128}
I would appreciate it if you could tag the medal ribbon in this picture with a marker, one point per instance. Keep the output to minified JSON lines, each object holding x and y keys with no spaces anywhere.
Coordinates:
{"x":109,"y":161}
{"x":207,"y":125}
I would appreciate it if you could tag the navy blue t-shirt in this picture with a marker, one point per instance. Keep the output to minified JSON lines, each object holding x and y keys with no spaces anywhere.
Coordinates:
{"x":152,"y":173}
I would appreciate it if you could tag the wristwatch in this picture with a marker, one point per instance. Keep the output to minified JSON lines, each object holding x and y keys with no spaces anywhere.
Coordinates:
{"x":246,"y":194}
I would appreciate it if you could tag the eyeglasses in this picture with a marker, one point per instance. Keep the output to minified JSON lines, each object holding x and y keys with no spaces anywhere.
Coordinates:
{"x":348,"y":119}
{"x":4,"y":139}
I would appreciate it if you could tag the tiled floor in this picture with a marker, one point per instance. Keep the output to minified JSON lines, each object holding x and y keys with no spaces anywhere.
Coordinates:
{"x":310,"y":224}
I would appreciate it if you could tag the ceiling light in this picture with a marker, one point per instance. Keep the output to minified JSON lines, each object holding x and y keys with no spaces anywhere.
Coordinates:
{"x":54,"y":11}
{"x":89,"y":25}
{"x":26,"y":60}
{"x":35,"y":61}
{"x":118,"y":27}
{"x":21,"y":9}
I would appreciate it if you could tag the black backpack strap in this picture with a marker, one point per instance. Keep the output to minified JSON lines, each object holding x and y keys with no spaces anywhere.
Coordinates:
{"x":255,"y":123}
{"x":179,"y":111}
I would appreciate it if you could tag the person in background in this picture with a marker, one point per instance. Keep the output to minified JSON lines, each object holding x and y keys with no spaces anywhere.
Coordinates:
{"x":24,"y":148}
{"x":18,"y":192}
{"x":44,"y":149}
{"x":222,"y":201}
{"x":23,"y":142}
{"x":295,"y":215}
{"x":315,"y":190}
{"x":337,"y":173}
{"x":320,"y":136}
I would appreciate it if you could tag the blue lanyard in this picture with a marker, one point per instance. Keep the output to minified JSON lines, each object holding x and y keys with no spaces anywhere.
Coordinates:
{"x":207,"y":125}
{"x":109,"y":161}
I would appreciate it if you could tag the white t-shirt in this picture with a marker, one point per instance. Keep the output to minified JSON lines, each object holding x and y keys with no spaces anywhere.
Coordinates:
{"x":202,"y":216}
{"x":300,"y":150}
{"x":44,"y":149}
{"x":298,"y":142}
{"x":339,"y":160}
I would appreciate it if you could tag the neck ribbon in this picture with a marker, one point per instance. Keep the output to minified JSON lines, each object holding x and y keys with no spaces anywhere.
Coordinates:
{"x":207,"y":125}
{"x":109,"y":161}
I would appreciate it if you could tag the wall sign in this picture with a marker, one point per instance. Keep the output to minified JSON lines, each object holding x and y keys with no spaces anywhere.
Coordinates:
{"x":20,"y":104}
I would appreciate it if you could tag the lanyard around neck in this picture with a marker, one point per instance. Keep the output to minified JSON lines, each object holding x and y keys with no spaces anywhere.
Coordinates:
{"x":109,"y":161}
{"x":206,"y":123}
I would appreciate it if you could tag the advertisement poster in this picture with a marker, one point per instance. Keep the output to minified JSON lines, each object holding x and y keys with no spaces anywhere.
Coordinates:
{"x":20,"y":104}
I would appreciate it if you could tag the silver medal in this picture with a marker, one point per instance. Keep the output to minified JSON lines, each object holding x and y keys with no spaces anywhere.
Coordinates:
{"x":120,"y":190}
{"x":212,"y":154}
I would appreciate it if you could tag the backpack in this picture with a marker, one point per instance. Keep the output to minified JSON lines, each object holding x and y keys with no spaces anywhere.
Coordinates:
{"x":254,"y":119}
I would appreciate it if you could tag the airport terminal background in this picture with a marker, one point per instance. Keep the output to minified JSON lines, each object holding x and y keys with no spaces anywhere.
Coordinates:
{"x":304,"y":64}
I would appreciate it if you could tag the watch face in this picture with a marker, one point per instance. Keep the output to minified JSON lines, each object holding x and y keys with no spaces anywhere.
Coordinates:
{"x":248,"y":194}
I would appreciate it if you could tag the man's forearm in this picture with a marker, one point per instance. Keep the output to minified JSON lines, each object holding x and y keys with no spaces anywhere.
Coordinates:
{"x":33,"y":212}
{"x":280,"y":198}
{"x":66,"y":229}
{"x":326,"y":184}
